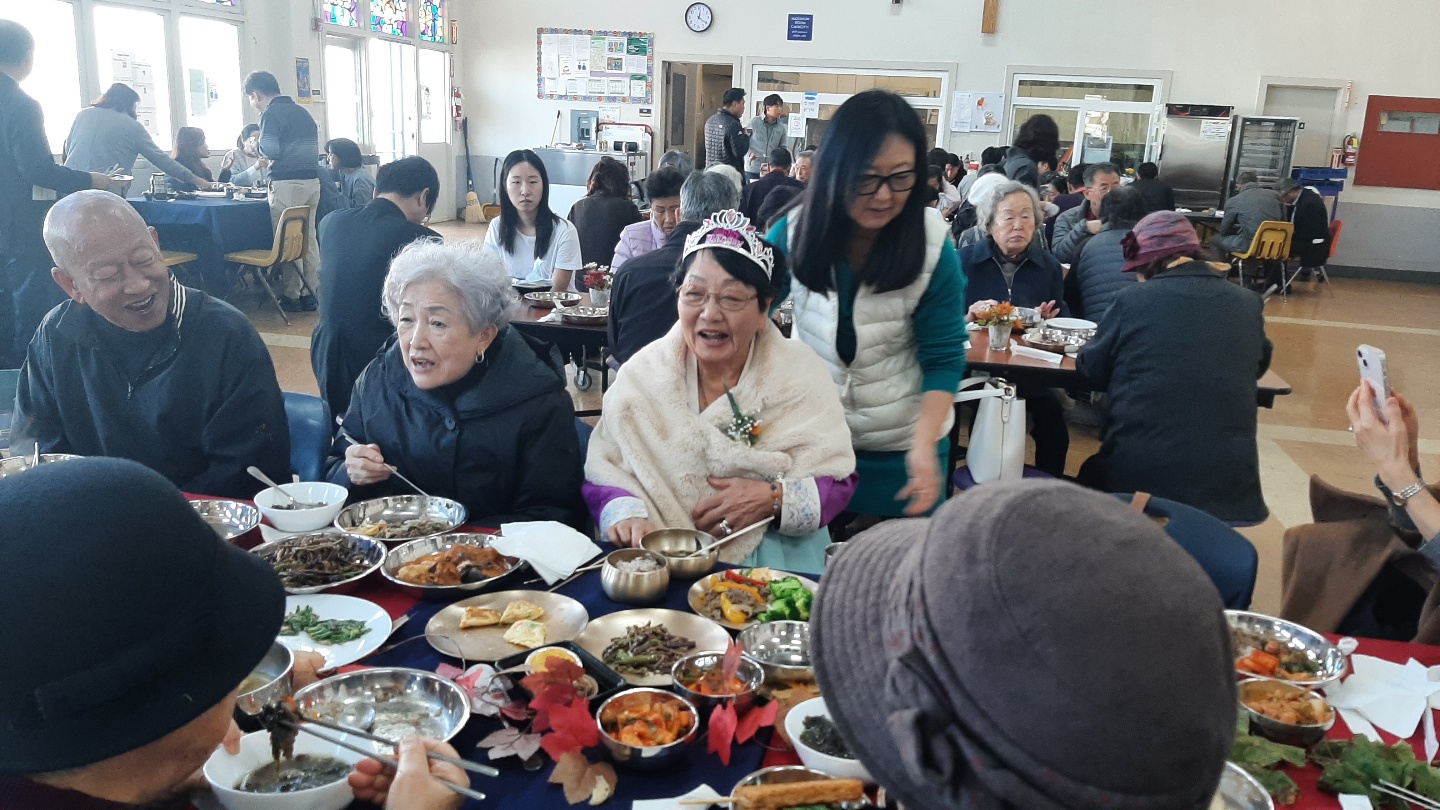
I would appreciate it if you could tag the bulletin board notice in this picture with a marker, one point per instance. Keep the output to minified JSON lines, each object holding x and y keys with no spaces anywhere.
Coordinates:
{"x":604,"y":67}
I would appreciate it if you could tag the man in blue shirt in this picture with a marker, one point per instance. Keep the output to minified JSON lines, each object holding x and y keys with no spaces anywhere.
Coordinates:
{"x":290,"y":140}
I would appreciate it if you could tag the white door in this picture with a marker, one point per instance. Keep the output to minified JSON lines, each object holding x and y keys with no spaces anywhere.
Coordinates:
{"x":436,"y":129}
{"x":1315,"y":107}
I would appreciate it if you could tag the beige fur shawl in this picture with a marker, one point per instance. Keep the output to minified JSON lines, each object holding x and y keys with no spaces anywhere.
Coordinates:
{"x":651,"y":443}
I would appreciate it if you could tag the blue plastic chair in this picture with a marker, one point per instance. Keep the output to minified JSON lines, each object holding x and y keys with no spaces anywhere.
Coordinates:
{"x":1225,"y":554}
{"x":583,"y":431}
{"x":309,"y":435}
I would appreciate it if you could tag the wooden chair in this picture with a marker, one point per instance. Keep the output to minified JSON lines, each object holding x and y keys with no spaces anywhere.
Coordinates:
{"x":289,"y":248}
{"x":1321,"y":274}
{"x":1271,"y":243}
{"x":177,"y":260}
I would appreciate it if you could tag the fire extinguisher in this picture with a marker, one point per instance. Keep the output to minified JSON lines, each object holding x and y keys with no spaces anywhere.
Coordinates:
{"x":457,"y":112}
{"x":1352,"y":148}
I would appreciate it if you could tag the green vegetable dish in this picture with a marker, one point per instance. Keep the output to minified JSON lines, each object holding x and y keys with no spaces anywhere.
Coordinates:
{"x":325,"y":631}
{"x":789,"y":600}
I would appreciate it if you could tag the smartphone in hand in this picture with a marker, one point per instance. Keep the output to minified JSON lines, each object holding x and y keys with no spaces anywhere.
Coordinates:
{"x":1373,"y":370}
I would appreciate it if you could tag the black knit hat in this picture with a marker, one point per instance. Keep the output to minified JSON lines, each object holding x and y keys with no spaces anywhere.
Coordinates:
{"x":124,"y":616}
{"x":1033,"y":645}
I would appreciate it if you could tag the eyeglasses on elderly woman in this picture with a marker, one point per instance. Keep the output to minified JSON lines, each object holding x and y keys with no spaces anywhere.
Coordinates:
{"x":695,"y":298}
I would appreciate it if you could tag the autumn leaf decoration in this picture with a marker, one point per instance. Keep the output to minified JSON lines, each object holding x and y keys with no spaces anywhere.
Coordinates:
{"x":726,"y":728}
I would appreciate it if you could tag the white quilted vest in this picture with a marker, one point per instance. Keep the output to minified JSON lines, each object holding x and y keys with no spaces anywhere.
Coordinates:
{"x":881,"y":389}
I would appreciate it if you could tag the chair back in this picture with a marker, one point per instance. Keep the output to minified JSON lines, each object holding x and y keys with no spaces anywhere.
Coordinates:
{"x":1335,"y":228}
{"x":1271,"y":242}
{"x":309,"y":435}
{"x":291,"y":235}
{"x":1227,"y":557}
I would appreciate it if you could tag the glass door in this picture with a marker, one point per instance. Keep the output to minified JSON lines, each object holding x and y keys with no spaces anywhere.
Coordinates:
{"x":1115,"y":137}
{"x":393,"y":95}
{"x":1067,"y":121}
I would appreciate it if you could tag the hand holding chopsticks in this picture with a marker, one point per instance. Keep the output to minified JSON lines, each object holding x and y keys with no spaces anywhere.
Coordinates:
{"x":391,"y":467}
{"x":406,"y":771}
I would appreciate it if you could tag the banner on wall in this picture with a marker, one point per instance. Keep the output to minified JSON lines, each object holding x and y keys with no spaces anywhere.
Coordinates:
{"x":302,"y":80}
{"x":605,"y":67}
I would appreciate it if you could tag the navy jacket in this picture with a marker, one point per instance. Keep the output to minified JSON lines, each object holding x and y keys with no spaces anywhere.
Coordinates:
{"x":288,"y":137}
{"x":356,"y":246}
{"x":756,"y":192}
{"x":1312,"y":222}
{"x":1098,"y":275}
{"x":205,"y":406}
{"x":642,"y":300}
{"x":1179,"y":356}
{"x":1038,"y":280}
{"x":501,"y":440}
{"x":25,"y":159}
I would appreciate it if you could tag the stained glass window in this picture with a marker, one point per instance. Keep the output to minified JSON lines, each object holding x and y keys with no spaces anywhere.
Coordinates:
{"x":341,"y":12}
{"x":432,"y":20}
{"x":390,"y":17}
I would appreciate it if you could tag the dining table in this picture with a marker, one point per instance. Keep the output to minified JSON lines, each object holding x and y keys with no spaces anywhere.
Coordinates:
{"x":582,"y":345}
{"x":209,"y":227}
{"x":1207,"y":223}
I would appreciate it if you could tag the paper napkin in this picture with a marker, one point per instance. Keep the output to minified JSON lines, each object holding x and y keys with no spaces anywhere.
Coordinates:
{"x":1036,"y":354}
{"x":1393,"y":697}
{"x":553,"y":549}
{"x":702,"y":792}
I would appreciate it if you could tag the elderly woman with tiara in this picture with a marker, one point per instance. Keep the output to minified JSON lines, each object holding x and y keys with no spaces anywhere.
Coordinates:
{"x":723,"y":423}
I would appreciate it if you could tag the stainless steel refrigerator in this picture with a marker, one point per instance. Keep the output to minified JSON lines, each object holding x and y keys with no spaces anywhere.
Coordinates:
{"x":1264,"y":145}
{"x":1193,"y":147}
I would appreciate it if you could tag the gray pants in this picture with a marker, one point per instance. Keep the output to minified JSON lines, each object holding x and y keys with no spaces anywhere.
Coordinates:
{"x":287,"y":194}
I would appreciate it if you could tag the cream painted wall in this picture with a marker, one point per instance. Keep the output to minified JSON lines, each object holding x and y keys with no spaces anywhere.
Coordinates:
{"x":1217,"y":51}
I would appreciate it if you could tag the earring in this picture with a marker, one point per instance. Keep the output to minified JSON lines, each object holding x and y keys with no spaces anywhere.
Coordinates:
{"x":480,"y":358}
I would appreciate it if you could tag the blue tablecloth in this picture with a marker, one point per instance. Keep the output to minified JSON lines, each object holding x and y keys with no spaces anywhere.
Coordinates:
{"x":518,"y":789}
{"x":210,"y":228}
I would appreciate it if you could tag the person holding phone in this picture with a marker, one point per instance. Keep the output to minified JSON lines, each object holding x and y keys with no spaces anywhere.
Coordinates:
{"x":1390,"y":442}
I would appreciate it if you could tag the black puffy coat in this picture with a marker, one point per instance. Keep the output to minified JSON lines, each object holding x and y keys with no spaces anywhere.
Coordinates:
{"x":501,"y":440}
{"x":1098,"y":274}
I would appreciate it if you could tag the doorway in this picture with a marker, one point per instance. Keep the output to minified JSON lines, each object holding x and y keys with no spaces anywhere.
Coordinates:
{"x":692,"y":93}
{"x":1315,"y":107}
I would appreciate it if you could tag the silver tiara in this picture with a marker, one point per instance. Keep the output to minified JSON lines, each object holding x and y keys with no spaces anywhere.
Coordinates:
{"x":731,"y":230}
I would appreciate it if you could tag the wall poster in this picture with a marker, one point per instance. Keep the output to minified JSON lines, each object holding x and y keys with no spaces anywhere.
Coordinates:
{"x":606,"y":67}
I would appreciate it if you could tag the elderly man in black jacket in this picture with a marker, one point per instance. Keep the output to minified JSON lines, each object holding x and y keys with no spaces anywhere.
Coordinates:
{"x":356,"y":246}
{"x":137,"y":366}
{"x":29,"y":183}
{"x":1311,"y":242}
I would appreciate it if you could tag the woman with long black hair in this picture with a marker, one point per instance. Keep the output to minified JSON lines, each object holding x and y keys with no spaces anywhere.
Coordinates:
{"x":535,"y":244}
{"x":190,"y":152}
{"x":879,"y":295}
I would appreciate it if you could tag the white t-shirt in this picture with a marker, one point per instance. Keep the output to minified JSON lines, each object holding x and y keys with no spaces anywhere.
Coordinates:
{"x":522,"y":263}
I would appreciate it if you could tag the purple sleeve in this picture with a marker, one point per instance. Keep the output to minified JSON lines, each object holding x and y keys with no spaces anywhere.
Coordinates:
{"x":596,"y":497}
{"x":835,"y":494}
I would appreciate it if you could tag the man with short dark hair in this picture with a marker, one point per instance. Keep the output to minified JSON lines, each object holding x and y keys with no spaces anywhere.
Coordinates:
{"x":768,"y":132}
{"x":290,"y":140}
{"x":1083,"y":221}
{"x":642,"y":300}
{"x":779,"y":177}
{"x":1251,"y":205}
{"x":357,"y":245}
{"x":725,"y":139}
{"x":1158,"y":195}
{"x":29,"y":183}
{"x":137,"y":366}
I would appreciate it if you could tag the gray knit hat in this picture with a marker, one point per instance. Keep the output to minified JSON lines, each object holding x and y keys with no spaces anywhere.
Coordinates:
{"x":1034,"y":645}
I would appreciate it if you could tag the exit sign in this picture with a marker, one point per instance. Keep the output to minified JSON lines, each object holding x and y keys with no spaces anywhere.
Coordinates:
{"x":802,"y":28}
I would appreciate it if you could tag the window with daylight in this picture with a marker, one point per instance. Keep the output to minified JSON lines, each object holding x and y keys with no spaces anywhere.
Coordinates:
{"x":341,"y":12}
{"x":390,"y":17}
{"x":55,"y":81}
{"x":130,"y":48}
{"x":432,"y":20}
{"x":344,"y":108}
{"x":434,"y":97}
{"x":391,"y":95}
{"x":210,"y":72}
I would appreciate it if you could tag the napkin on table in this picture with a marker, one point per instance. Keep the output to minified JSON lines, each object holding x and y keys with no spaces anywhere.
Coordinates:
{"x":1393,"y":697}
{"x":702,"y":792}
{"x":553,"y":549}
{"x":1035,"y":354}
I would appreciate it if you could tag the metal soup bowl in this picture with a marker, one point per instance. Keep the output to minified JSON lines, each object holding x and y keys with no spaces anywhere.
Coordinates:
{"x":666,"y":542}
{"x":229,"y":519}
{"x":276,"y":666}
{"x":399,"y":508}
{"x":1301,"y":734}
{"x":781,"y":775}
{"x":403,"y":555}
{"x":782,"y":648}
{"x":405,"y":701}
{"x":1313,"y":646}
{"x":691,"y":666}
{"x":634,"y":587}
{"x":648,"y":757}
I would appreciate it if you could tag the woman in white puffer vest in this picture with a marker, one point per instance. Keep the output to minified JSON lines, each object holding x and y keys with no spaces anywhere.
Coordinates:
{"x":879,"y":295}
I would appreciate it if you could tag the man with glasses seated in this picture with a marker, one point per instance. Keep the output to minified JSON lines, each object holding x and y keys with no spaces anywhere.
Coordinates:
{"x":137,"y":366}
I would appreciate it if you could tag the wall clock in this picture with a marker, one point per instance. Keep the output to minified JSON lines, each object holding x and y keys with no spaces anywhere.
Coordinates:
{"x":699,"y":17}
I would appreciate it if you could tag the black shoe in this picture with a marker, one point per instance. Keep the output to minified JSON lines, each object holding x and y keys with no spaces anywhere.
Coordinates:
{"x":293,"y":304}
{"x":308,"y":303}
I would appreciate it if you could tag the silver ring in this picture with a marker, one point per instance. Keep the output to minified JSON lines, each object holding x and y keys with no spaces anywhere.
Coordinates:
{"x":725,"y":527}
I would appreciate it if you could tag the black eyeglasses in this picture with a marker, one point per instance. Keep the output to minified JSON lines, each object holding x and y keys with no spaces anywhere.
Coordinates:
{"x":867,"y":184}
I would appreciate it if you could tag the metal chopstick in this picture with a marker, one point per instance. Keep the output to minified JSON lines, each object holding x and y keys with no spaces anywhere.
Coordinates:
{"x":474,"y":767}
{"x":351,"y":439}
{"x":1392,"y":789}
{"x":386,"y":761}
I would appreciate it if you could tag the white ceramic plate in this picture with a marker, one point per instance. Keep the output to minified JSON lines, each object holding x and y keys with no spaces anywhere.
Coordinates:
{"x":331,"y":606}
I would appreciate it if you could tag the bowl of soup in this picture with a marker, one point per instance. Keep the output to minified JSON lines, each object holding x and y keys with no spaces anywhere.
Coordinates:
{"x":315,"y":779}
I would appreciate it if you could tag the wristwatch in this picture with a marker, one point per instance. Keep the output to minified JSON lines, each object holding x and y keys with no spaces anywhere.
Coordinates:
{"x":1404,"y":495}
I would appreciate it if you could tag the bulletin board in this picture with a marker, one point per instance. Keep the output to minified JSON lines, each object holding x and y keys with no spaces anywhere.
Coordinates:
{"x":601,"y":67}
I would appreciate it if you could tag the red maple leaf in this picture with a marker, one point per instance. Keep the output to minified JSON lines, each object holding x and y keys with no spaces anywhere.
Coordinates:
{"x":575,"y":721}
{"x":558,"y":745}
{"x":557,"y":672}
{"x":757,"y":718}
{"x":730,"y":664}
{"x":516,"y":710}
{"x":722,"y":731}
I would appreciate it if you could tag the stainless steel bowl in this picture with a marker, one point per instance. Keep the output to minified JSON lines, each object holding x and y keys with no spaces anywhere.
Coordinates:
{"x":1301,"y":734}
{"x":373,"y":551}
{"x":682,"y":541}
{"x":584,"y":316}
{"x":634,"y":588}
{"x":277,"y":666}
{"x":782,"y":649}
{"x":397,"y":508}
{"x":750,"y":673}
{"x":403,"y":555}
{"x":1077,"y":327}
{"x":1240,"y":791}
{"x":405,"y":701}
{"x":18,"y":464}
{"x":781,"y":775}
{"x":1313,"y":646}
{"x":548,"y":300}
{"x":648,"y":757}
{"x":229,"y":519}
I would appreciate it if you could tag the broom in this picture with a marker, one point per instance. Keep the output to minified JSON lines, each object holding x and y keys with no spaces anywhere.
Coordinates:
{"x":473,"y":213}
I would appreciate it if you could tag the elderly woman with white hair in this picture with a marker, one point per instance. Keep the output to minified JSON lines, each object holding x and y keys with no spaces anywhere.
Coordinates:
{"x":460,"y":403}
{"x":1010,"y":265}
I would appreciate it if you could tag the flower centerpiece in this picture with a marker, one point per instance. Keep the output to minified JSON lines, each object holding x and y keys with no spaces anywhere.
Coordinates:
{"x":1000,"y":319}
{"x":598,"y":278}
